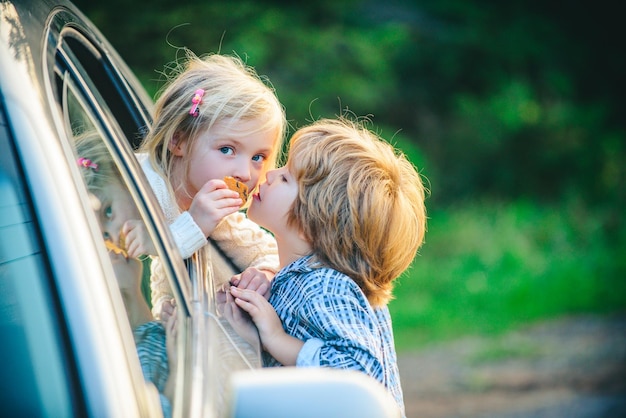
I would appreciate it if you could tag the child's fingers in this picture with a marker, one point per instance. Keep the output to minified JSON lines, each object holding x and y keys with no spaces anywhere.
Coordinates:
{"x":264,"y":289}
{"x":246,"y":306}
{"x":252,"y":279}
{"x":215,"y":185}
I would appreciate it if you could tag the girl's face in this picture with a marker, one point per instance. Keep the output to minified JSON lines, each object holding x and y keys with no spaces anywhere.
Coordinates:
{"x":227,"y":150}
{"x":116,"y":207}
{"x":274,"y":199}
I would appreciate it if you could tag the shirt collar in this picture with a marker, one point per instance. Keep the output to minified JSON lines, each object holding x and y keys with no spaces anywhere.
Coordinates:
{"x":301,"y":265}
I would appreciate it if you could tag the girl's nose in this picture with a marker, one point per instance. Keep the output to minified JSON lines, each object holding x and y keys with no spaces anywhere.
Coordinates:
{"x":242,"y":173}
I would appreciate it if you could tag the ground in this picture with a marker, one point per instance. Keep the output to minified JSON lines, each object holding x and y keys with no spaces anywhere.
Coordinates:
{"x":572,"y":367}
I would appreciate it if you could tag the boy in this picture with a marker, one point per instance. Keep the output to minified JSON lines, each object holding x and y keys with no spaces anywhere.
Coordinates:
{"x":348,"y":216}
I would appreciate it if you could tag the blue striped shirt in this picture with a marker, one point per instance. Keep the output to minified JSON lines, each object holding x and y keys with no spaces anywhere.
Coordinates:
{"x":329,"y":312}
{"x":150,"y":342}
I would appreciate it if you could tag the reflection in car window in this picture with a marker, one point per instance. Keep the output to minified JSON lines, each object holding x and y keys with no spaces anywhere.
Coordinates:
{"x":124,"y":234}
{"x":128,"y":245}
{"x":94,"y":103}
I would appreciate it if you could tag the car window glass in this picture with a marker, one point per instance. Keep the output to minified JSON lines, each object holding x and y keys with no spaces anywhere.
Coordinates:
{"x":122,"y":230}
{"x":91,"y":98}
{"x":37,"y":378}
{"x":228,"y":352}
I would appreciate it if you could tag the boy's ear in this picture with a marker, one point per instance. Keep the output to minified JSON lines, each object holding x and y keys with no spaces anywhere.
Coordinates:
{"x":177,"y":145}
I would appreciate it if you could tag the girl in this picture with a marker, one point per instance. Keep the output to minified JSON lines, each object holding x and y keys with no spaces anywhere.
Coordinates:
{"x":216,"y":118}
{"x":348,"y":215}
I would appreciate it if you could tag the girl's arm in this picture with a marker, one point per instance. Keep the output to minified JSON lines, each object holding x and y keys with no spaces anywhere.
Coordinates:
{"x":246,"y":243}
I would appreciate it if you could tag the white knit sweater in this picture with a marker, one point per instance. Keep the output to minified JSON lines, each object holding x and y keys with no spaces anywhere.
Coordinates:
{"x":242,"y":240}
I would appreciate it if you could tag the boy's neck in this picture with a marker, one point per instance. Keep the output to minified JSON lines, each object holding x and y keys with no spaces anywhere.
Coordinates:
{"x":291,"y":249}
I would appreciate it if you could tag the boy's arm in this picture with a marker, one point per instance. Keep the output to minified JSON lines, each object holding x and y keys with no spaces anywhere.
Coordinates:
{"x":282,"y":346}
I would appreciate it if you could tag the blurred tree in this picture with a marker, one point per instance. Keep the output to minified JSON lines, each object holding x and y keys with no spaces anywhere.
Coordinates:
{"x":503,"y":99}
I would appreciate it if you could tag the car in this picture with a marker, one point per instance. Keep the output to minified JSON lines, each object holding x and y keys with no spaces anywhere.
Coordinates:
{"x":67,"y":338}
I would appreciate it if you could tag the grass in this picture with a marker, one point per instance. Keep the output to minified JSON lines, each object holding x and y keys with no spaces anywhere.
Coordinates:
{"x":487,"y":268}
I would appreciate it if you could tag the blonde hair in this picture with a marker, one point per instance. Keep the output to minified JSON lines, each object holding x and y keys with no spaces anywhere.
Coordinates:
{"x":89,"y":145}
{"x":360,"y":204}
{"x":233,"y":91}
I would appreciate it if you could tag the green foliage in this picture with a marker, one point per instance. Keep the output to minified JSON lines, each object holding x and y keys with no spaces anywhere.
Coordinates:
{"x":504,"y":99}
{"x":488,"y":267}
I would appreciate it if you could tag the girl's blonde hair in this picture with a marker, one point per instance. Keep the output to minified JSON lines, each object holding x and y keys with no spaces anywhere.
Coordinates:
{"x":233,"y":92}
{"x":360,"y":204}
{"x":97,"y":166}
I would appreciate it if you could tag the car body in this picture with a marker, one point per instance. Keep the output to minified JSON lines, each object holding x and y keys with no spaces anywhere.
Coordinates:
{"x":68,"y":343}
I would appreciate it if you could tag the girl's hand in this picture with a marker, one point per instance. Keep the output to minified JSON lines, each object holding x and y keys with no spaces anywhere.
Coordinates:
{"x":137,"y":239}
{"x":212,"y":203}
{"x":254,"y":279}
{"x":170,"y":339}
{"x":168,"y":308}
{"x":171,"y":335}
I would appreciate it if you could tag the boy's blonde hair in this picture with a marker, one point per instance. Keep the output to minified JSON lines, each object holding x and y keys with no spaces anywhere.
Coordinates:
{"x":233,"y":92}
{"x":360,"y":204}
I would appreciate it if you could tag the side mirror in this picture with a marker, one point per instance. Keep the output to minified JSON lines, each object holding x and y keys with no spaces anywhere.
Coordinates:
{"x":307,"y":392}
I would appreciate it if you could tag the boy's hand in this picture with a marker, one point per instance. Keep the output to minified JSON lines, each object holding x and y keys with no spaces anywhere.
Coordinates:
{"x":237,"y":318}
{"x":254,"y":279}
{"x":262,"y":313}
{"x":136,"y":239}
{"x":212,"y":203}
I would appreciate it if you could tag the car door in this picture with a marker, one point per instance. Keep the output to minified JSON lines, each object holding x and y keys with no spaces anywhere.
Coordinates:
{"x":95,"y":92}
{"x":72,"y":346}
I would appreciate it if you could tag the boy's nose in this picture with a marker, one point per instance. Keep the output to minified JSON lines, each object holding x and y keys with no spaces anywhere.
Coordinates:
{"x":269,"y":176}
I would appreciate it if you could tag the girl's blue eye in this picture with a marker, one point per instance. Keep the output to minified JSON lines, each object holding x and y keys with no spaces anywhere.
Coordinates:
{"x":108,"y":212}
{"x":226,"y":150}
{"x":258,"y":158}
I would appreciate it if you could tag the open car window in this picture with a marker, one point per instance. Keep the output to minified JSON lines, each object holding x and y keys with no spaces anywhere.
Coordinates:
{"x":124,"y":219}
{"x":124,"y":230}
{"x":101,"y":111}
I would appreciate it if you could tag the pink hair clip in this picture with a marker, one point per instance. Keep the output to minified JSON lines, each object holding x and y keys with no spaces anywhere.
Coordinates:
{"x":87,"y":163}
{"x":196,"y":100}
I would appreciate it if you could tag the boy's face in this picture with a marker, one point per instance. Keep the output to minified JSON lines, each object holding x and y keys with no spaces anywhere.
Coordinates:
{"x":230,"y":150}
{"x":274,"y":199}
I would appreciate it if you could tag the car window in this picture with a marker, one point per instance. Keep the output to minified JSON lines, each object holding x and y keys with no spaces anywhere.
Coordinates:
{"x":121,"y":228}
{"x":99,"y":107}
{"x":123,"y":225}
{"x":38,"y":380}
